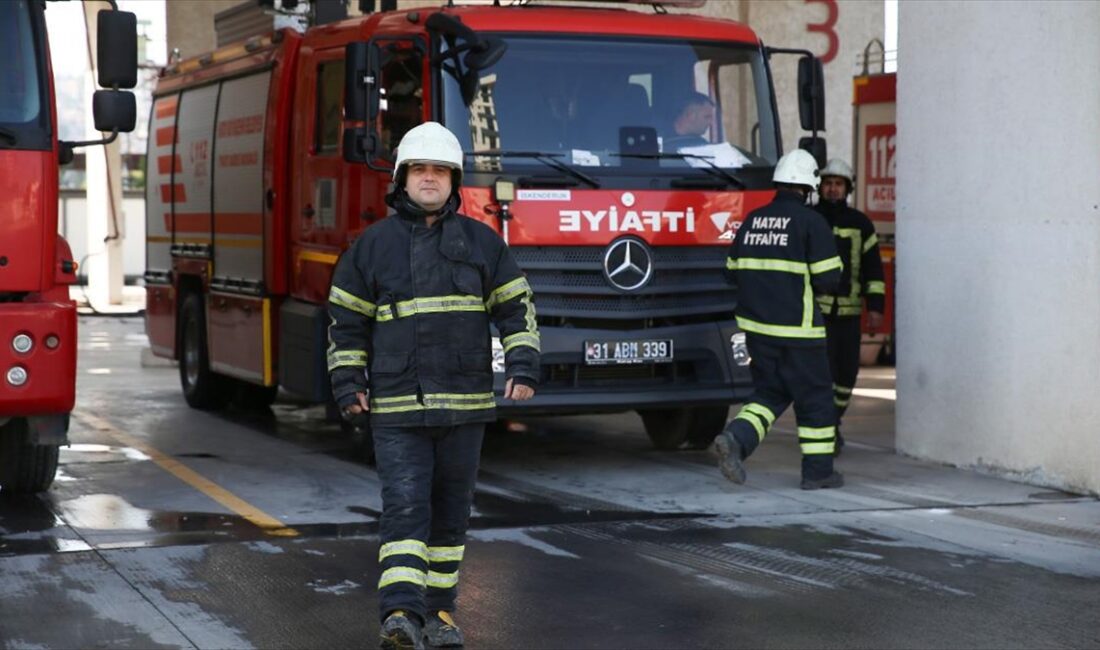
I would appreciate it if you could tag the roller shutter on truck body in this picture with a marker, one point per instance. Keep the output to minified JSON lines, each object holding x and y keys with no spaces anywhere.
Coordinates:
{"x":163,"y":162}
{"x":207,"y":222}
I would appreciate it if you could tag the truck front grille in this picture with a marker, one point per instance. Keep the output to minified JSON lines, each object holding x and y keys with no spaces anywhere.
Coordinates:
{"x":569,"y":283}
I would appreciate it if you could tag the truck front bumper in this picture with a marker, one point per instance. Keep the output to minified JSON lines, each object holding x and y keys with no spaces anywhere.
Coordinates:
{"x":41,"y":380}
{"x":703,"y":372}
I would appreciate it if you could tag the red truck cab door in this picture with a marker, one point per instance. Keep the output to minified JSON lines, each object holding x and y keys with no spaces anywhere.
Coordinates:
{"x":333,"y":200}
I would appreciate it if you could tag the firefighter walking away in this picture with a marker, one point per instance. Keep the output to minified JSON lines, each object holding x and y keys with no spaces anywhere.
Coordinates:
{"x":411,"y":304}
{"x":782,"y":256}
{"x":862,"y":279}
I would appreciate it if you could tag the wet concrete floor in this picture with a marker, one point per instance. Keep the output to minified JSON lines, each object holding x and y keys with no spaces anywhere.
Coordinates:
{"x":169,"y":527}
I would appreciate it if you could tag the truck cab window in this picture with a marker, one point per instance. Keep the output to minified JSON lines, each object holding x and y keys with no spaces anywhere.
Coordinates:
{"x":330,"y":104}
{"x":402,"y":98}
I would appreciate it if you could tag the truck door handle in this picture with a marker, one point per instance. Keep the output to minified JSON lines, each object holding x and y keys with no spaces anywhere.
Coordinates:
{"x":308,"y":212}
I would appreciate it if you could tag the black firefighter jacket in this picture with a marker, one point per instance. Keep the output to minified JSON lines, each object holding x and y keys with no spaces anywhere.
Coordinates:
{"x":782,"y":256}
{"x":857,"y":244}
{"x":410,"y":308}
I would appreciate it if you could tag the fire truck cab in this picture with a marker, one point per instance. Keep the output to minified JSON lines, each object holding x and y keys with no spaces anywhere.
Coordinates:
{"x":615,"y":151}
{"x":37,"y":318}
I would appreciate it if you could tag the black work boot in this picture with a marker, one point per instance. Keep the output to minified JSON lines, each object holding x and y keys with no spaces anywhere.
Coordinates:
{"x":834,"y":480}
{"x":730,"y":457}
{"x":400,"y":631}
{"x":441,"y":631}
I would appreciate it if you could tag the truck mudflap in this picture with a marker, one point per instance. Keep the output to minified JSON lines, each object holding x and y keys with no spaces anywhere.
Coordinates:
{"x":37,"y":358}
{"x":702,"y":371}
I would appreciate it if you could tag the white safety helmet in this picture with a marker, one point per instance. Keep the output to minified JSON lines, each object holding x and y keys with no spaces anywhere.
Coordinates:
{"x":429,"y":142}
{"x":797,"y":167}
{"x":841,"y":169}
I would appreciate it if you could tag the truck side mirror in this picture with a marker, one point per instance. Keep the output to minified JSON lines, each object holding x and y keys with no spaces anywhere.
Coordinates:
{"x":358,"y":81}
{"x":114,"y":110}
{"x":811,"y":94}
{"x":116,"y":49}
{"x":816,"y":146}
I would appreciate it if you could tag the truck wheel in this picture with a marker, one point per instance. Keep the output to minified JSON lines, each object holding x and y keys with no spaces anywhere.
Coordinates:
{"x":25,"y":468}
{"x":707,"y":423}
{"x":202,"y":388}
{"x":254,"y":396}
{"x":667,"y":428}
{"x":693,"y":428}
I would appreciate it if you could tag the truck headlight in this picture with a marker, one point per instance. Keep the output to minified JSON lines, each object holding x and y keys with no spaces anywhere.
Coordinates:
{"x":498,"y":355}
{"x":17,"y":375}
{"x":739,"y":349}
{"x":22,"y":343}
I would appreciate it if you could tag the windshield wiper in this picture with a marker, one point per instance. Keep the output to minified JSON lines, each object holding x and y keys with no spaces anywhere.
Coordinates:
{"x":546,"y":158}
{"x":711,"y":168}
{"x":8,"y":136}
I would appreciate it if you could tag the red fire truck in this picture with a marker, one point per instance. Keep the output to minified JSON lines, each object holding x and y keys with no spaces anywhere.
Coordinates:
{"x":37,"y":318}
{"x":875,"y":129}
{"x":616,"y":151}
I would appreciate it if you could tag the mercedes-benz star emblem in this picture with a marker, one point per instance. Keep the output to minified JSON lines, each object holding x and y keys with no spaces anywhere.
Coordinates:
{"x":628,"y":264}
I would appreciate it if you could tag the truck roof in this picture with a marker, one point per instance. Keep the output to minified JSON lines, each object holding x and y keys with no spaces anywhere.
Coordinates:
{"x":523,"y":18}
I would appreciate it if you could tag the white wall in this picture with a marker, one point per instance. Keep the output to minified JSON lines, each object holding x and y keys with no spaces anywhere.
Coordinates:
{"x":998,"y":229}
{"x":786,"y":23}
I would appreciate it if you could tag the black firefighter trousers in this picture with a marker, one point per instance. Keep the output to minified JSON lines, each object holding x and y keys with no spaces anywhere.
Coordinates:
{"x":844,"y":335}
{"x":428,"y":476}
{"x":782,"y":374}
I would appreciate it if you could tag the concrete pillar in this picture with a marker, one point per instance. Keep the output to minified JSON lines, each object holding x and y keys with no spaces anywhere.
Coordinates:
{"x":106,"y":223}
{"x":998,"y":230}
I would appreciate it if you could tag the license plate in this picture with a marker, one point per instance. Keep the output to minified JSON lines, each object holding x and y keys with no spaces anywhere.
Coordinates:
{"x":600,"y":353}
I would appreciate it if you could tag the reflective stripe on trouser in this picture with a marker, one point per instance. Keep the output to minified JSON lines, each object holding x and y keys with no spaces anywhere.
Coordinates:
{"x":428,"y":476}
{"x":843,"y":336}
{"x":783,"y":374}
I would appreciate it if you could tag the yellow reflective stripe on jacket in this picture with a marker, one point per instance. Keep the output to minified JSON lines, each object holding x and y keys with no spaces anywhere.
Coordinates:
{"x":816,"y":433}
{"x":520,"y":338}
{"x":402,"y":574}
{"x":784,"y":331}
{"x":817,"y":448}
{"x":871,"y":241}
{"x":762,"y":264}
{"x":438,"y":580}
{"x":338,"y":296}
{"x":342,"y":358}
{"x":451,"y":401}
{"x":731,"y":264}
{"x":507,"y":291}
{"x":807,"y":302}
{"x":876,"y":286}
{"x":826,"y":265}
{"x":446,"y":553}
{"x":429,"y":305}
{"x":412,"y":547}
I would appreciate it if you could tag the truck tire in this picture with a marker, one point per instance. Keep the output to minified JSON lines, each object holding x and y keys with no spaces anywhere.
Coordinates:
{"x":202,"y":387}
{"x":707,"y":423}
{"x":254,"y":396}
{"x":693,"y":428}
{"x":25,"y":468}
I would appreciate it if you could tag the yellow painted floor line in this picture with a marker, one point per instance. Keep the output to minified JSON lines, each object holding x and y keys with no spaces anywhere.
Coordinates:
{"x":269,"y":524}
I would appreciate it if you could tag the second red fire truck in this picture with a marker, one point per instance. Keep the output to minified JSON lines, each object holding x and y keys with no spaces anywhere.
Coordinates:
{"x":615,"y":151}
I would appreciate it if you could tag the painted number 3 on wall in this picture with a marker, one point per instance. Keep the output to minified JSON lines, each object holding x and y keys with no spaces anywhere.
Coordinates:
{"x":826,"y":28}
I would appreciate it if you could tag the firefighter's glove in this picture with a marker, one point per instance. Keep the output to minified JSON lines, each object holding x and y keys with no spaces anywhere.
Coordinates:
{"x":346,"y":382}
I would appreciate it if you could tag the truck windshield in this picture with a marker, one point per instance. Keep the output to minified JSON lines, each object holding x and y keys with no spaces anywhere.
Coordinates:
{"x":680,"y":107}
{"x":24,"y":111}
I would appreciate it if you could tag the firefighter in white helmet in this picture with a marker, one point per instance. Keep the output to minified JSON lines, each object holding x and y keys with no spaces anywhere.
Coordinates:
{"x":784,"y":253}
{"x":411,"y":303}
{"x":862,"y":280}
